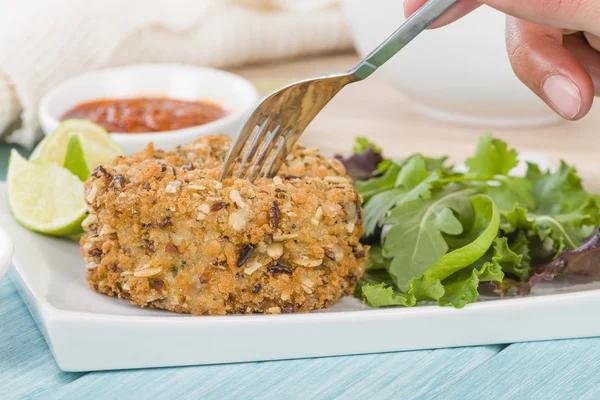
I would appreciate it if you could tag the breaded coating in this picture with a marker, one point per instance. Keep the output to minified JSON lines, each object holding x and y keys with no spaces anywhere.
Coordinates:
{"x":163,"y":232}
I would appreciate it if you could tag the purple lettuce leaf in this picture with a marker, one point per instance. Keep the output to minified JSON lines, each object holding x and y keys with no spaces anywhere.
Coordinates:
{"x":583,"y":261}
{"x":361,"y":166}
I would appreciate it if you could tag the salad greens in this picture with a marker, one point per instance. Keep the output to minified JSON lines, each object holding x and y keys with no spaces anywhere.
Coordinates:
{"x":441,"y":235}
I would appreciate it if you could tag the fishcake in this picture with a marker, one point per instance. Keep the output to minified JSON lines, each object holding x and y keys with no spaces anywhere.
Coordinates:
{"x":163,"y":232}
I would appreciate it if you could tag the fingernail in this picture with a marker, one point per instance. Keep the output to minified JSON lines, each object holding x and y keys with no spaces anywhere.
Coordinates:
{"x":563,"y":95}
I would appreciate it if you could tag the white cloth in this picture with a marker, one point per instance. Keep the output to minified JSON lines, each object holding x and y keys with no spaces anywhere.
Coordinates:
{"x":43,"y":42}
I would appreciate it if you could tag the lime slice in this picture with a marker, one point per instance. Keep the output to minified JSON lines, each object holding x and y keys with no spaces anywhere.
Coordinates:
{"x":45,"y":198}
{"x":35,"y":154}
{"x":53,"y":149}
{"x":83,"y":155}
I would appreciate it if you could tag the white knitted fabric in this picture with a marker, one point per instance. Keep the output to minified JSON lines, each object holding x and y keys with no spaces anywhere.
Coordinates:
{"x":43,"y":42}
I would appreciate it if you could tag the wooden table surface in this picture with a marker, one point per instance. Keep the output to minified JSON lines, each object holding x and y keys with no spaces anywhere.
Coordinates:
{"x":543,"y":370}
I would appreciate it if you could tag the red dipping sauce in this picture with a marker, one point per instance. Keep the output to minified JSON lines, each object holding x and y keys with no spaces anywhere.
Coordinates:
{"x":146,"y":114}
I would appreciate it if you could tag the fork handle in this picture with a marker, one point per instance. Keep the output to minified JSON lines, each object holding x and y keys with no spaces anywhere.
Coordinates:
{"x":414,"y":25}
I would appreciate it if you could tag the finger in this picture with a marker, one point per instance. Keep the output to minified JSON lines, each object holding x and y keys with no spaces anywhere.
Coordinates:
{"x":588,"y":57}
{"x":459,"y":10}
{"x":581,"y":15}
{"x":542,"y":63}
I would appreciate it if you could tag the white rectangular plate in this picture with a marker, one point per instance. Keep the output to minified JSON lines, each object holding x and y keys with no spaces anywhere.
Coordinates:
{"x":88,"y":331}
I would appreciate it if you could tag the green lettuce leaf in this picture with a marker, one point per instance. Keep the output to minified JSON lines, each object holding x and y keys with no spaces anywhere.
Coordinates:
{"x":415,"y":238}
{"x":492,"y":157}
{"x":361,"y":144}
{"x":444,"y":232}
{"x":485,"y":229}
{"x":462,"y":287}
{"x":383,"y":295}
{"x":519,"y":245}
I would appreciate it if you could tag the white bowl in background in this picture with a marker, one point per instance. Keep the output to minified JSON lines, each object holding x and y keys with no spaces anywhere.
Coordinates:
{"x":458,"y":73}
{"x":184,"y":82}
{"x":6,"y":252}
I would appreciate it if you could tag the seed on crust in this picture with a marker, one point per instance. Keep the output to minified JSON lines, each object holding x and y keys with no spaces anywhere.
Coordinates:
{"x":245,"y":254}
{"x":117,"y":183}
{"x":148,"y":245}
{"x":218,"y":206}
{"x":124,"y":296}
{"x":278,"y":268}
{"x":164,"y":223}
{"x":156,"y":283}
{"x":330,"y":254}
{"x":256,"y":288}
{"x":188,"y":167}
{"x":274,"y":214}
{"x":171,"y":248}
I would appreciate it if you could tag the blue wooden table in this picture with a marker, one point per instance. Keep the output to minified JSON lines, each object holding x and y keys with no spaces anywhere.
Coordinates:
{"x":545,"y":370}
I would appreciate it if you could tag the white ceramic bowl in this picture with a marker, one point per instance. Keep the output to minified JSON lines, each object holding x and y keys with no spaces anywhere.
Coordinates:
{"x":458,"y":73}
{"x":234,"y":93}
{"x":6,"y":252}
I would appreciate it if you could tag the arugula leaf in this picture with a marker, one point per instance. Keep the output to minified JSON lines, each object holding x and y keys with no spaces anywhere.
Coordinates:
{"x":492,"y":157}
{"x":556,"y":193}
{"x":511,"y":191}
{"x":437,"y":164}
{"x":368,"y":189}
{"x":415,"y":240}
{"x":412,"y":172}
{"x":413,"y":182}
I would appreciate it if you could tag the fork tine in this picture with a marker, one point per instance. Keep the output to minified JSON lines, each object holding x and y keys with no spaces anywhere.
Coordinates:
{"x":235,"y":152}
{"x":264,"y":152}
{"x":251,"y":150}
{"x":281,"y":152}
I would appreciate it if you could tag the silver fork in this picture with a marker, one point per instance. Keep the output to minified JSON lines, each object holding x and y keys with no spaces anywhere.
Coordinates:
{"x":283,"y":115}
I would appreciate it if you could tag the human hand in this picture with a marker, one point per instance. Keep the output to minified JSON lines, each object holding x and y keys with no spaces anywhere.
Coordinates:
{"x":553,"y":47}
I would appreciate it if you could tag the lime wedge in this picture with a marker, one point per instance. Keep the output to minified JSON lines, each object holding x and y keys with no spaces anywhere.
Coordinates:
{"x":45,"y":198}
{"x":53,"y":149}
{"x":35,"y":154}
{"x":75,"y":159}
{"x":84,"y":154}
